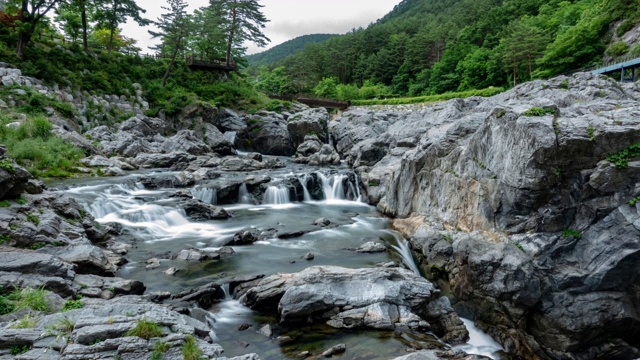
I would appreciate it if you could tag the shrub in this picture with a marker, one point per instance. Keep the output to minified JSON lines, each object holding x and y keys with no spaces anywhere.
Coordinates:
{"x":158,"y":350}
{"x":27,"y":322}
{"x":22,"y":200}
{"x":33,"y":218}
{"x":5,"y":204}
{"x":146,"y":330}
{"x":19,"y":349}
{"x":621,"y":159}
{"x":7,"y":165}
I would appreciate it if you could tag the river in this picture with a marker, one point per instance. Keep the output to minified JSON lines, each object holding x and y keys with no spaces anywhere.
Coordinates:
{"x":156,"y":226}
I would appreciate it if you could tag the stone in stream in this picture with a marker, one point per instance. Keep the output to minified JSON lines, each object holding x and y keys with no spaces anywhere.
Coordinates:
{"x":152,"y":263}
{"x":322,"y":222}
{"x":308,"y":256}
{"x":172,"y":271}
{"x":441,"y":355}
{"x":199,"y":210}
{"x":195,"y":255}
{"x":335,"y":350}
{"x":370,"y":247}
{"x":376,"y":298}
{"x":266,"y":330}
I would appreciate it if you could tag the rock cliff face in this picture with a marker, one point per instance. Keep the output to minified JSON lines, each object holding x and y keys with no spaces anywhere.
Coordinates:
{"x":546,"y":252}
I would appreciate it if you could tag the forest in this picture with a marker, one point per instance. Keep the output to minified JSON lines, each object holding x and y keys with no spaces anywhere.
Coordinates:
{"x":427,"y":47}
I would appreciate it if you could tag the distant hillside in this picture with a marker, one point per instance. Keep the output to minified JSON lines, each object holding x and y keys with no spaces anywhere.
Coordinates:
{"x":285,"y":49}
{"x":427,"y":47}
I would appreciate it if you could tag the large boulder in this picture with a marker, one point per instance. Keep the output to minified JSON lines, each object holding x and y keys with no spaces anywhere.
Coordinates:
{"x":352,"y":298}
{"x":308,"y":122}
{"x":217,"y":141}
{"x":13,"y":177}
{"x":186,"y":141}
{"x":269,"y":134}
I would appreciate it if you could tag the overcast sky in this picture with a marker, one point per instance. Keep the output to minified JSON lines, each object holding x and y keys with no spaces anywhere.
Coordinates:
{"x":288,"y":18}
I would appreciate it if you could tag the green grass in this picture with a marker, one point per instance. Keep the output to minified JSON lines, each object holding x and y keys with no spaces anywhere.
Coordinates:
{"x":634,"y":201}
{"x":33,"y":146}
{"x":37,"y":246}
{"x":430,"y":98}
{"x":146,"y":330}
{"x":72,"y":305}
{"x":158,"y":350}
{"x":5,"y":204}
{"x":65,"y":326}
{"x":4,"y":239}
{"x":190,"y":349}
{"x":7,"y":165}
{"x":22,"y":200}
{"x":27,"y":322}
{"x":28,"y":298}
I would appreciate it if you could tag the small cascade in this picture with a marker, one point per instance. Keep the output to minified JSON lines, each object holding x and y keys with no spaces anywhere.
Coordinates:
{"x":206,"y":194}
{"x":404,"y":251}
{"x":243,"y":195}
{"x":304,"y":181}
{"x":227,"y":293}
{"x":479,"y":343}
{"x":333,"y":186}
{"x":276,"y":195}
{"x":354,"y":188}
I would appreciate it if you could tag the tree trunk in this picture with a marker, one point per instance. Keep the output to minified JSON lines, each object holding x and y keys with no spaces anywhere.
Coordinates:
{"x":231,"y":35}
{"x":172,"y":63}
{"x":85,"y":43}
{"x":24,"y":37}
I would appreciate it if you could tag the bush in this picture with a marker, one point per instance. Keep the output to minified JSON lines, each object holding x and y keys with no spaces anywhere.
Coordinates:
{"x":571,"y":233}
{"x":29,"y":298}
{"x":538,"y":111}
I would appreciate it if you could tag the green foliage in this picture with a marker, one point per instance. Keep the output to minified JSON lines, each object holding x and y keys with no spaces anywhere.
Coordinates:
{"x":625,"y":26}
{"x":190,"y":349}
{"x":591,"y":132}
{"x":19,"y":349}
{"x":4,"y":239}
{"x":621,"y":159}
{"x":326,"y":88}
{"x":538,"y":111}
{"x":571,"y":233}
{"x":22,"y":200}
{"x":28,"y":298}
{"x":159,"y":349}
{"x":634,"y":201}
{"x":7,"y":165}
{"x":37,"y":246}
{"x":146,"y":330}
{"x":617,"y":49}
{"x":431,"y":98}
{"x":72,"y":305}
{"x":5,"y":204}
{"x":373,"y":183}
{"x":518,"y":246}
{"x":6,"y":306}
{"x":438,"y":273}
{"x":65,"y":326}
{"x":33,"y":218}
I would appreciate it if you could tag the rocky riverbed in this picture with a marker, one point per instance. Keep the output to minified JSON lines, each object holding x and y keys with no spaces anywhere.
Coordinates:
{"x":258,"y":234}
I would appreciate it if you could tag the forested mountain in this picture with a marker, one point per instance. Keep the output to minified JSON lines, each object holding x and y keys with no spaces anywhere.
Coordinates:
{"x":435,"y":46}
{"x":285,"y":49}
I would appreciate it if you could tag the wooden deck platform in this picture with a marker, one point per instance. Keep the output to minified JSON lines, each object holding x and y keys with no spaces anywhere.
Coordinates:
{"x":210,"y":64}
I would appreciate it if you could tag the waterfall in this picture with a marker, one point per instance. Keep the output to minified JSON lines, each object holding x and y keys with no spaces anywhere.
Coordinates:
{"x":355,"y":188}
{"x":243,"y":195}
{"x":404,"y":251}
{"x":332,"y":187}
{"x":304,"y":181}
{"x":276,"y":195}
{"x":205,"y":194}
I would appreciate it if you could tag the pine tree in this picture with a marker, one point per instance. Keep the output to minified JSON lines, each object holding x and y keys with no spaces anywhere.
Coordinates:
{"x":173,"y":28}
{"x":243,"y":21}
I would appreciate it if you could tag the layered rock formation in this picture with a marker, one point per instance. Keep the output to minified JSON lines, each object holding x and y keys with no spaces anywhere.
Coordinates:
{"x":546,"y":248}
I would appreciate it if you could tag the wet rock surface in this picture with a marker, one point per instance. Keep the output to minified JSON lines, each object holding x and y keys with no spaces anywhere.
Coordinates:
{"x":534,"y":203}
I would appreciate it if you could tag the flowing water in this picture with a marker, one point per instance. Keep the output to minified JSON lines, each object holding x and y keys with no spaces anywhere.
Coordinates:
{"x":158,"y":228}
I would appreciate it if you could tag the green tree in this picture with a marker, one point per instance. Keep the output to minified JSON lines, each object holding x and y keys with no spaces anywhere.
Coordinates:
{"x":243,"y":21}
{"x":30,"y":14}
{"x":275,"y":81}
{"x":207,"y":37}
{"x":326,"y":88}
{"x":173,"y":26}
{"x":522,"y":47}
{"x":111,"y":13}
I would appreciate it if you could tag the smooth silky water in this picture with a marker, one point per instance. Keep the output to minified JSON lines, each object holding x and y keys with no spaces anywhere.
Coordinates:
{"x":157,"y":228}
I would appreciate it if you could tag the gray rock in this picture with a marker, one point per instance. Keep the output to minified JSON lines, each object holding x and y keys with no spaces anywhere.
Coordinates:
{"x":335,"y":350}
{"x":194,"y":255}
{"x":308,"y":122}
{"x":269,"y":134}
{"x":266,"y":330}
{"x":13,"y":179}
{"x":88,"y":259}
{"x":217,"y":141}
{"x":186,"y":141}
{"x":376,"y":298}
{"x":170,"y":160}
{"x":370,"y":247}
{"x":199,"y":210}
{"x":308,"y":257}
